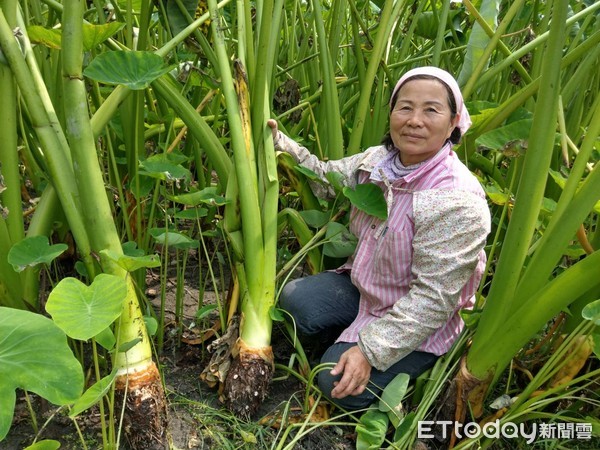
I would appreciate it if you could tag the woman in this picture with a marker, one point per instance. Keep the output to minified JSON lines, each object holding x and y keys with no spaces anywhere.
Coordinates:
{"x":393,"y":306}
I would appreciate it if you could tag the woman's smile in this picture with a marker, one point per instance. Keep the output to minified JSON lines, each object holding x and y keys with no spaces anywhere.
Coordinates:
{"x":413,"y":136}
{"x":421,"y":120}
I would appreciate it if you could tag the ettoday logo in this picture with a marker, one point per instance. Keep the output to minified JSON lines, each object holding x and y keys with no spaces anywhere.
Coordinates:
{"x":506,"y":430}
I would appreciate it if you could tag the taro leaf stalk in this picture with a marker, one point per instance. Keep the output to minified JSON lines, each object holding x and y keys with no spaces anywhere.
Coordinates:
{"x":11,"y":214}
{"x":48,"y":132}
{"x":253,"y":231}
{"x":138,"y":381}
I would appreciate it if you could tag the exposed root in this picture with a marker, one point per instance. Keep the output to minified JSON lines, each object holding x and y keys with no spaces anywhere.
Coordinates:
{"x":248,"y":380}
{"x":218,"y":367}
{"x":470,"y":394}
{"x":145,"y":421}
{"x":471,"y":390}
{"x":242,"y":373}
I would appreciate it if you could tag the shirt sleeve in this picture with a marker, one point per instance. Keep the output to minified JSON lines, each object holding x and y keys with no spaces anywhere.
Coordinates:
{"x":347,"y":166}
{"x":451,"y":227}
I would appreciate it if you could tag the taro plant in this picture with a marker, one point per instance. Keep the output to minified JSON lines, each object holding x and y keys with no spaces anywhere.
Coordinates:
{"x":249,"y":180}
{"x":251,"y":218}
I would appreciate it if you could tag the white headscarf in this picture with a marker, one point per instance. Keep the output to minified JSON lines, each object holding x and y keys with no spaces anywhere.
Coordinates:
{"x":464,"y":121}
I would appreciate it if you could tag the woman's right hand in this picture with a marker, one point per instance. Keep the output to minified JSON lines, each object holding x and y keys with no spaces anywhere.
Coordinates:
{"x":272,"y":123}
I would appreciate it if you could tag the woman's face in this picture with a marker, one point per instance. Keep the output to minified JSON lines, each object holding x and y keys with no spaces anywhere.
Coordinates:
{"x":421,"y":120}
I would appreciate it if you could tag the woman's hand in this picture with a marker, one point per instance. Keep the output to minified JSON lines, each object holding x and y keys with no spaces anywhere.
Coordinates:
{"x":272,"y":123}
{"x":356,"y":372}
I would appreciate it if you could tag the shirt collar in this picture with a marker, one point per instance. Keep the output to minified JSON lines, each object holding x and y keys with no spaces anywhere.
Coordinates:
{"x":384,"y":168}
{"x":430,"y":163}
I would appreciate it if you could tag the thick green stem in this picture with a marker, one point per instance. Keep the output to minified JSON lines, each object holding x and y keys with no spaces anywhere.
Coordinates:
{"x":88,"y":174}
{"x":530,"y":191}
{"x":10,"y":282}
{"x":574,"y":205}
{"x":256,"y":177}
{"x":132,"y":328}
{"x":244,"y":158}
{"x":267,"y":163}
{"x":40,"y":86}
{"x":269,"y":205}
{"x":51,"y":138}
{"x":197,"y":126}
{"x":255,"y":330}
{"x":10,"y":197}
{"x":12,"y":229}
{"x":524,"y":321}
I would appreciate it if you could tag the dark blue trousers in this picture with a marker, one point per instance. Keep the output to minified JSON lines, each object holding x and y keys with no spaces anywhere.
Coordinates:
{"x":322,"y":306}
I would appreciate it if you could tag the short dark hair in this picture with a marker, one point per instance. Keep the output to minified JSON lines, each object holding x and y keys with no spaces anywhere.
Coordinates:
{"x":456,"y":134}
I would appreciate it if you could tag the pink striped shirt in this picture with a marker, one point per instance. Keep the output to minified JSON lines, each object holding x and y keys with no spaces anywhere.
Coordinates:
{"x":419,"y":267}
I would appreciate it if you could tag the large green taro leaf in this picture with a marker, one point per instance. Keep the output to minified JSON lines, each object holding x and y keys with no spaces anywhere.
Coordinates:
{"x":84,"y":311}
{"x":136,"y":70}
{"x":35,"y":356}
{"x":33,"y":250}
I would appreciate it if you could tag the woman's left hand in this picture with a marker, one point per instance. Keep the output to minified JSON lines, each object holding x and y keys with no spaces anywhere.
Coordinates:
{"x":356,"y":372}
